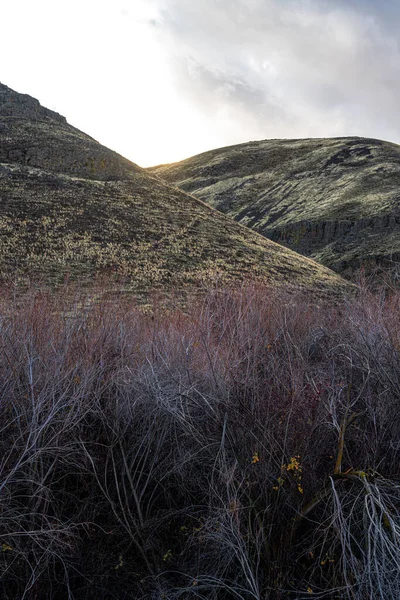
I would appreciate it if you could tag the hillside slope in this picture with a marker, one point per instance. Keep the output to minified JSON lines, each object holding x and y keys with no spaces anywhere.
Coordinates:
{"x":335,"y":200}
{"x":69,"y":206}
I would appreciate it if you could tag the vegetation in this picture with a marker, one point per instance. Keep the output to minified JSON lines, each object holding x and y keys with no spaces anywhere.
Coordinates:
{"x":239,"y":443}
{"x":71,"y":207}
{"x":335,"y":200}
{"x":53,"y":226}
{"x":247,"y":448}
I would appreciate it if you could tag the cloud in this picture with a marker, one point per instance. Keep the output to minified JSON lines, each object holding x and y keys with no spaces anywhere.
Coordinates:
{"x":161,"y":80}
{"x":286,"y":68}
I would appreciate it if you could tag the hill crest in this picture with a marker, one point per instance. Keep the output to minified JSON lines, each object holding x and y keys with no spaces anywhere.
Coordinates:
{"x":335,"y":200}
{"x":70,"y":206}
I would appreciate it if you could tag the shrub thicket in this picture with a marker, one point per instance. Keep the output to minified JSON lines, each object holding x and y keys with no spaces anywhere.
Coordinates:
{"x":246,"y":448}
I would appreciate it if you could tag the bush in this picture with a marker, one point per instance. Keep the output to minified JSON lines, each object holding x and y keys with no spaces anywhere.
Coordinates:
{"x":245,"y":448}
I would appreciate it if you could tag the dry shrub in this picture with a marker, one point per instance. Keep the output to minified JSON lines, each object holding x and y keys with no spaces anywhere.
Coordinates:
{"x":246,"y":447}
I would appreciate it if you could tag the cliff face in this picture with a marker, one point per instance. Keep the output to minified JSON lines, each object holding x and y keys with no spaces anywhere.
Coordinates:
{"x":69,"y":206}
{"x":346,"y":245}
{"x":336,"y":200}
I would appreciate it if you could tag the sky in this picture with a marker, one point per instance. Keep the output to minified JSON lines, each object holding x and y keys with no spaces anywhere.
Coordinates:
{"x":161,"y":80}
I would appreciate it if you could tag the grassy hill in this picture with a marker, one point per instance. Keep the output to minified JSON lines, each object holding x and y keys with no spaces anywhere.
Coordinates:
{"x":70,"y":206}
{"x":335,"y":200}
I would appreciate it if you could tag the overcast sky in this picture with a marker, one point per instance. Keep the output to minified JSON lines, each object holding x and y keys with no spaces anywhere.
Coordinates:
{"x":161,"y":80}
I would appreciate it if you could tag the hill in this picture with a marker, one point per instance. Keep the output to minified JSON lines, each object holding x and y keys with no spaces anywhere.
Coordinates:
{"x":70,"y":206}
{"x":335,"y":200}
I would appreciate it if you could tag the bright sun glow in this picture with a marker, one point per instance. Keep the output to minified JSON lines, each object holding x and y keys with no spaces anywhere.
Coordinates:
{"x":101,"y":65}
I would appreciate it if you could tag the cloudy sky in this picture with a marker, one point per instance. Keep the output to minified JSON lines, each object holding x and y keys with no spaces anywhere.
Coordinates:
{"x":161,"y":80}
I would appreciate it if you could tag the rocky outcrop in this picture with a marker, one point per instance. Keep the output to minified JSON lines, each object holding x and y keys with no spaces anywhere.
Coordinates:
{"x":309,"y":236}
{"x":21,"y":106}
{"x":33,"y":135}
{"x":344,"y":245}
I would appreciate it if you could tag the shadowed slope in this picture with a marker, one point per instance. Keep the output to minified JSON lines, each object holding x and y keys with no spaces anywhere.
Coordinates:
{"x":71,"y":206}
{"x":336,"y":200}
